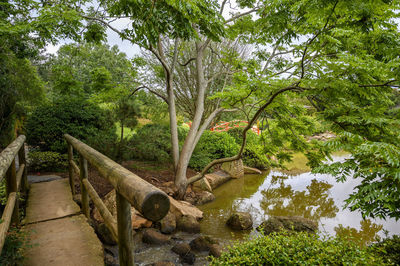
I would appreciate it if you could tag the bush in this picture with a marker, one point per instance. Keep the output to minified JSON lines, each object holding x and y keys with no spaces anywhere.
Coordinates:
{"x":151,"y":142}
{"x":389,"y":249}
{"x":47,"y":161}
{"x":15,"y":244}
{"x":211,"y":146}
{"x":253,"y":154}
{"x":77,"y":117}
{"x":297,"y":249}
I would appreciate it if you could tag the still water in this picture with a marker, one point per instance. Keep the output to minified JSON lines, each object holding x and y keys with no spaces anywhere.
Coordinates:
{"x":318,"y":197}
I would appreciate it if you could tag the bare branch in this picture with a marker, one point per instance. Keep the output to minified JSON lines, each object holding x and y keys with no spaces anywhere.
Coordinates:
{"x":190,"y":60}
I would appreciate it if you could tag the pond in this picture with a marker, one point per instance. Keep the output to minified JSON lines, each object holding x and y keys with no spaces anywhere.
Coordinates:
{"x":318,"y":197}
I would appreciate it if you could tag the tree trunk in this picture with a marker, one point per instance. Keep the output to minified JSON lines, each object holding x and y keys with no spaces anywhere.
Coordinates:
{"x":190,"y":141}
{"x":173,"y":124}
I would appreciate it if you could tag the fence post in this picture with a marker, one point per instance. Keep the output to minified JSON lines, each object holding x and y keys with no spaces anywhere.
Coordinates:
{"x":11,"y":186}
{"x":125,"y":237}
{"x":84,"y":194}
{"x":22,"y":160}
{"x":70,"y":170}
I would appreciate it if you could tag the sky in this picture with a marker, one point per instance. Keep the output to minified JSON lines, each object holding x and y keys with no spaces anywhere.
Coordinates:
{"x":112,"y":39}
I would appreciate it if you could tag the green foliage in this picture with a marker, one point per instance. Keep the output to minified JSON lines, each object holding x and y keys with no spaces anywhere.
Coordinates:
{"x":98,"y":72}
{"x":253,"y":154}
{"x":211,"y":146}
{"x":47,"y":161}
{"x":297,"y":249}
{"x":389,"y":249}
{"x":172,"y":18}
{"x":15,"y":244}
{"x":151,"y":142}
{"x":79,"y":118}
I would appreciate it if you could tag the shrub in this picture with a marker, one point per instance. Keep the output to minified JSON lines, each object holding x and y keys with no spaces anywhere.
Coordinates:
{"x":389,"y":249}
{"x":77,"y":117}
{"x":253,"y":154}
{"x":14,"y":245}
{"x":47,"y":161}
{"x":297,"y":249}
{"x":151,"y":142}
{"x":211,"y":146}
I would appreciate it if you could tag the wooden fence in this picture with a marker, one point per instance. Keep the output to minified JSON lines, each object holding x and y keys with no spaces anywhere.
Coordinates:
{"x":14,"y":181}
{"x":130,"y":190}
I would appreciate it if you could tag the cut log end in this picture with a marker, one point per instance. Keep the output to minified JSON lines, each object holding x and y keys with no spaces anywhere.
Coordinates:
{"x":155,"y":206}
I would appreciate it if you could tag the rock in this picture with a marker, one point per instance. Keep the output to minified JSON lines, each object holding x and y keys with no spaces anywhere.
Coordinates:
{"x":138,"y":221}
{"x":289,"y":223}
{"x":204,"y":197}
{"x":202,"y":243}
{"x":188,"y":223}
{"x":240,"y":221}
{"x":168,"y":223}
{"x":169,"y":188}
{"x":105,"y":234}
{"x":109,"y":260}
{"x":151,"y":236}
{"x":163,"y":263}
{"x":250,"y":170}
{"x":189,"y":258}
{"x":215,"y":250}
{"x":181,"y":208}
{"x":181,"y":249}
{"x":203,"y":184}
{"x":218,"y":178}
{"x":234,"y":168}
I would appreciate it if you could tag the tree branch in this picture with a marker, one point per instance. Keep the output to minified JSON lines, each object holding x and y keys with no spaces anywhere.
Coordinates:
{"x":199,"y":176}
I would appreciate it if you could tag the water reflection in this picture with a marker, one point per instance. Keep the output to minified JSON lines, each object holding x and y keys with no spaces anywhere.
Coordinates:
{"x":312,"y":203}
{"x":366,"y":235}
{"x":317,"y":197}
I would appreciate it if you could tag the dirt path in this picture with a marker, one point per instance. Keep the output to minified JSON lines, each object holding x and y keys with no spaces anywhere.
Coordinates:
{"x":60,"y":234}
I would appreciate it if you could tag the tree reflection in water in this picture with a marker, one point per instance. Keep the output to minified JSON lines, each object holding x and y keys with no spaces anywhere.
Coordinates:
{"x":366,"y":235}
{"x":313,"y":203}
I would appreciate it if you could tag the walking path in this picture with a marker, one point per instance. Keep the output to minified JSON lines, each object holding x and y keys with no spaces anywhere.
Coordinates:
{"x":59,"y":233}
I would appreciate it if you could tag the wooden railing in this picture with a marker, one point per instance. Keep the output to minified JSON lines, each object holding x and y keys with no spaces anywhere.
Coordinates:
{"x":130,"y":190}
{"x":14,"y":181}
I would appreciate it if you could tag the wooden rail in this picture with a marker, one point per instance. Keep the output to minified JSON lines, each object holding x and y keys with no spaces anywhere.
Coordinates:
{"x":14,"y":181}
{"x":130,"y":190}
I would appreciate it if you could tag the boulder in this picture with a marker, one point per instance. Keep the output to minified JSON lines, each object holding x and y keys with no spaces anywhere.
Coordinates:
{"x":234,"y":168}
{"x":188,"y":258}
{"x":202,"y":243}
{"x":181,"y":249}
{"x":204,"y":197}
{"x":215,"y":250}
{"x":217,"y":178}
{"x":169,"y":188}
{"x":188,"y":223}
{"x":168,"y":223}
{"x":240,"y":221}
{"x":202,"y":184}
{"x":250,"y":170}
{"x":289,"y":223}
{"x":151,"y":236}
{"x":105,"y":234}
{"x":138,"y":221}
{"x":180,"y":208}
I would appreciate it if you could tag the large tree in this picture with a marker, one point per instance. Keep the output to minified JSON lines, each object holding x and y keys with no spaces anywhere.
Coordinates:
{"x":341,"y":56}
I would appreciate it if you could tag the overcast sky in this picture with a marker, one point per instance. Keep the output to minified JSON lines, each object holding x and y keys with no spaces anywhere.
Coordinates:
{"x":112,"y":39}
